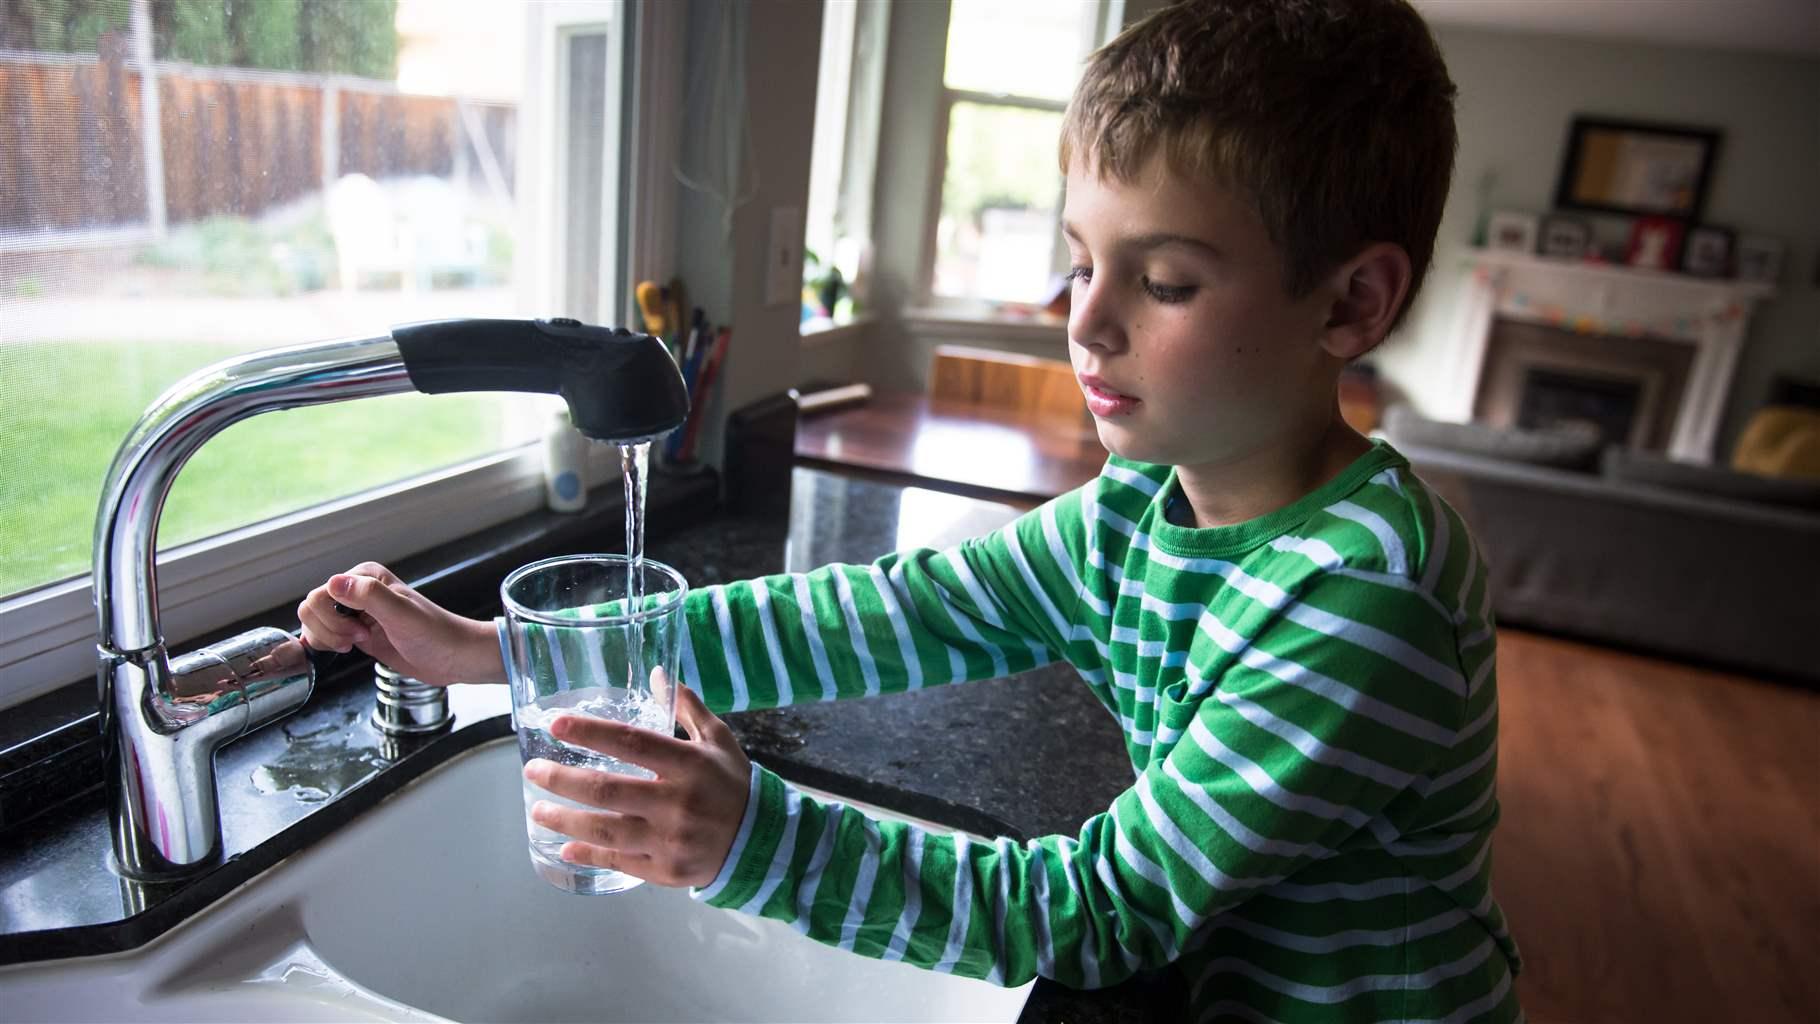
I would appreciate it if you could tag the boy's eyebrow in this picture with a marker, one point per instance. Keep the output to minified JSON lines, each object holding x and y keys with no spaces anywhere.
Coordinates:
{"x":1154,"y":240}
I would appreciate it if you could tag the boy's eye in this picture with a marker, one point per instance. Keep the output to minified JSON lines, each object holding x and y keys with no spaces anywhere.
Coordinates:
{"x":1079,"y":274}
{"x":1168,"y":292}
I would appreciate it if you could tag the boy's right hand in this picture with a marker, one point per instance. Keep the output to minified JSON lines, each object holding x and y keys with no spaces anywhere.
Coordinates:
{"x":401,"y":628}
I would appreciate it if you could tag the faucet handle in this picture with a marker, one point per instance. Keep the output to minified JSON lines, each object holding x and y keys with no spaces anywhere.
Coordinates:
{"x":322,"y":661}
{"x":267,"y":670}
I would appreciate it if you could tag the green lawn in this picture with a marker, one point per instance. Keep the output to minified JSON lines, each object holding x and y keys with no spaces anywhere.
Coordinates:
{"x":65,"y":407}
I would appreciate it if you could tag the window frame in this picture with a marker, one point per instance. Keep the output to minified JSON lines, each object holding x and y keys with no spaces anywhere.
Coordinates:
{"x":850,"y":199}
{"x":1108,"y":20}
{"x":47,"y":634}
{"x":932,"y":229}
{"x":828,"y":165}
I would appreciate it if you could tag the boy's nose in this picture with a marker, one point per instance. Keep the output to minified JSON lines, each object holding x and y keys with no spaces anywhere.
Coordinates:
{"x":1093,"y":319}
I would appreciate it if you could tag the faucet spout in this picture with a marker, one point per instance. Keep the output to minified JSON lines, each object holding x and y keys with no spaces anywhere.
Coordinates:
{"x":620,"y":386}
{"x":180,"y":422}
{"x":163,"y":719}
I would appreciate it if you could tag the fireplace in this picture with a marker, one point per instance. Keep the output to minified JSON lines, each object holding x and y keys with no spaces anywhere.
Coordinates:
{"x":1536,"y":376}
{"x":1646,"y":356}
{"x":1554,"y":399}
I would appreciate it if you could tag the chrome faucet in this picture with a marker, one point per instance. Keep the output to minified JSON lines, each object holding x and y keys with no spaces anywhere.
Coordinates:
{"x":163,"y":719}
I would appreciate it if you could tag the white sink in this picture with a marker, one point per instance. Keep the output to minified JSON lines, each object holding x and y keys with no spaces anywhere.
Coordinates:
{"x":426,"y":907}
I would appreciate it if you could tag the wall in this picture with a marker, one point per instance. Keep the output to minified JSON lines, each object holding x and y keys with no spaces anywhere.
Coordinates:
{"x":1518,"y":93}
{"x":833,"y":356}
{"x":725,"y":271}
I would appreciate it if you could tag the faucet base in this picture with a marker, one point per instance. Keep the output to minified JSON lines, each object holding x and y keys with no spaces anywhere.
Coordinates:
{"x":405,"y":707}
{"x":162,"y":721}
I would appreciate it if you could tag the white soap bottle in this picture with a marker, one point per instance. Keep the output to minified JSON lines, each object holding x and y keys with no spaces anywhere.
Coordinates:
{"x":565,"y":452}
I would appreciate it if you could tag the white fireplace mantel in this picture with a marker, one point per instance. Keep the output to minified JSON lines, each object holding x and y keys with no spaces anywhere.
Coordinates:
{"x":1602,"y":300}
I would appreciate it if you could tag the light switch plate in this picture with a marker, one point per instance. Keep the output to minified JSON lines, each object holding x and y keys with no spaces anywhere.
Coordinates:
{"x":784,"y":257}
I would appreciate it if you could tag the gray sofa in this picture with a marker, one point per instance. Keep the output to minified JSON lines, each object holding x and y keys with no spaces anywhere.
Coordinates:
{"x":1632,"y":555}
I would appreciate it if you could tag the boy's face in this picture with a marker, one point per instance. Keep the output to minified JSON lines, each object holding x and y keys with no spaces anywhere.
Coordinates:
{"x":1187,"y":347}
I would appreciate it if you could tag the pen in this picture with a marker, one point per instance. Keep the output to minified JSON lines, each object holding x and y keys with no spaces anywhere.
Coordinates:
{"x":709,"y":372}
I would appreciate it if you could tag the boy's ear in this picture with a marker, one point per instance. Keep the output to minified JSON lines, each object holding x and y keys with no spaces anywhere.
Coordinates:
{"x":1367,"y":291}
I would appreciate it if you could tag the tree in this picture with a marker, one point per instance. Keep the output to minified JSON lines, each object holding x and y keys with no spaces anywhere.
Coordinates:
{"x":197,"y":33}
{"x":355,"y":37}
{"x":60,"y":26}
{"x":352,"y":37}
{"x":269,"y":34}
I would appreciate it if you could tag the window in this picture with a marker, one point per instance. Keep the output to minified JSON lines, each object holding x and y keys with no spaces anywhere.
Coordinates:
{"x":188,"y":180}
{"x":1010,"y":69}
{"x":849,"y":95}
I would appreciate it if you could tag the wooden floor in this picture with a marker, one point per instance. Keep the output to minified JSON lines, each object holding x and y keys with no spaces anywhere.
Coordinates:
{"x":1659,"y":855}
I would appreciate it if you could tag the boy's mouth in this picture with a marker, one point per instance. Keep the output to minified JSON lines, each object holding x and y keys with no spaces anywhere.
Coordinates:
{"x":1103,"y":400}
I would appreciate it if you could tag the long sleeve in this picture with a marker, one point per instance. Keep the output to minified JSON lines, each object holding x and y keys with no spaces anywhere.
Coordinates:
{"x":1230,"y":810}
{"x":1309,"y":702}
{"x":981,"y":610}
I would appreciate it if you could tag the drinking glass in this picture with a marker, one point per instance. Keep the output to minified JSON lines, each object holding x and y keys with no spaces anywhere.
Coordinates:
{"x":574,"y":644}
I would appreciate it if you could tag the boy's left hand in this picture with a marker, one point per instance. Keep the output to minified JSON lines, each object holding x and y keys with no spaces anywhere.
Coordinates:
{"x":673,"y":830}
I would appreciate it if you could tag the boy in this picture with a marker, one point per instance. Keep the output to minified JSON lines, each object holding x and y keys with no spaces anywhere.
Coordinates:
{"x":1292,"y":631}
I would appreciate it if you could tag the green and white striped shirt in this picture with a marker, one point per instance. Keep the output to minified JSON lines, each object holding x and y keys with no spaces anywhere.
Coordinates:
{"x":1310,"y":706}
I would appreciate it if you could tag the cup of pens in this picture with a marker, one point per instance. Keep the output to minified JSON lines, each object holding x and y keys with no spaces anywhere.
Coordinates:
{"x":699,"y":353}
{"x":698,"y":348}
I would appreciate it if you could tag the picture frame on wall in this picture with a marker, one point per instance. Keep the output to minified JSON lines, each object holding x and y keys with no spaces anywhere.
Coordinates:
{"x":1565,"y":238}
{"x":1707,"y":251}
{"x":1655,"y":243}
{"x":1637,"y":168}
{"x":1509,"y":231}
{"x":1760,"y":259}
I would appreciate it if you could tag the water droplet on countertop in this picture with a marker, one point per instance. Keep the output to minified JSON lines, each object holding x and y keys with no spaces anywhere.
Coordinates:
{"x":322,"y":759}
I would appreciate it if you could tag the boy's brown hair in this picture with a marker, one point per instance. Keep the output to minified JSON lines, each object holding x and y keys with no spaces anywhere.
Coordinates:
{"x":1334,"y":118}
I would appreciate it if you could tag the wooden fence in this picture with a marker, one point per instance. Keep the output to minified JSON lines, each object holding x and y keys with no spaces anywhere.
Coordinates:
{"x":236,"y":142}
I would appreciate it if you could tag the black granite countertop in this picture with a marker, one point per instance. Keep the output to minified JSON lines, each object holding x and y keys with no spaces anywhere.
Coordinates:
{"x":1029,"y":755}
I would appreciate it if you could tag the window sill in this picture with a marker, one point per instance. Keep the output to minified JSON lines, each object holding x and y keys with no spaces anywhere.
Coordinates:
{"x":50,"y":744}
{"x":944,"y":323}
{"x":48,"y":634}
{"x":828,"y":332}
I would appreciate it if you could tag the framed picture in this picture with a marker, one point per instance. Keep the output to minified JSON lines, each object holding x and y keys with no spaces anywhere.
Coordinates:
{"x":1632,"y":167}
{"x":1511,"y":232}
{"x":1655,"y":243}
{"x":1566,"y":238}
{"x":1760,"y":258}
{"x":1707,"y":251}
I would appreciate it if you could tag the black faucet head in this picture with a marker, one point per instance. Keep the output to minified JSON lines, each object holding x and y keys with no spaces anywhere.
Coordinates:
{"x":620,"y":385}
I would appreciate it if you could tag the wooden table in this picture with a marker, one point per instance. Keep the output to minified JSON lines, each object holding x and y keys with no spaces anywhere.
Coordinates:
{"x":1020,"y":458}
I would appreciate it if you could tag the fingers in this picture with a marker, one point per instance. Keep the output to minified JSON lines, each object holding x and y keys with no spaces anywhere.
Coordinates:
{"x":599,"y":828}
{"x":606,"y":839}
{"x":683,"y":822}
{"x":662,"y":754}
{"x":381,"y":649}
{"x":326,"y":630}
{"x":634,"y":864}
{"x":696,"y":720}
{"x":621,"y":793}
{"x":379,"y":598}
{"x":376,"y":571}
{"x":327,"y":627}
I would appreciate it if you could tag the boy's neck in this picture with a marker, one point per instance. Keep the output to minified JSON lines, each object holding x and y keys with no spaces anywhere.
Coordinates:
{"x":1271,"y":477}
